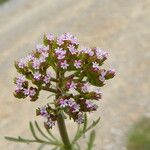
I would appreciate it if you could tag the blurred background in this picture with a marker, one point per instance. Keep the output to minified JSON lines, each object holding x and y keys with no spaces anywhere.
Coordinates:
{"x":122,"y":27}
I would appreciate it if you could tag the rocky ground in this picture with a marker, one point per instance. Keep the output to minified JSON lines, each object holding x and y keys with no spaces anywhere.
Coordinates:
{"x":120,"y":26}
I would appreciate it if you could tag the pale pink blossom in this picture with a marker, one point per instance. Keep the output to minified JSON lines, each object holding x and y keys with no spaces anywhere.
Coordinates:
{"x":36,"y":63}
{"x":102,"y":76}
{"x":37,"y":75}
{"x":32,"y":92}
{"x":72,"y":86}
{"x":95,"y":65}
{"x":77,"y":64}
{"x":72,"y":49}
{"x":80,"y":118}
{"x":26,"y":92}
{"x":85,"y":87}
{"x":64,"y":64}
{"x":22,"y":63}
{"x":50,"y":37}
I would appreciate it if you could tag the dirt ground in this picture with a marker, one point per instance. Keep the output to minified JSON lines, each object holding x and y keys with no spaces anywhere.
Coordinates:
{"x":120,"y":26}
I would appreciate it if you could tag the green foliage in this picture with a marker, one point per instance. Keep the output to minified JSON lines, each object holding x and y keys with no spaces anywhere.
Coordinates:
{"x":90,"y":143}
{"x":49,"y":139}
{"x":139,"y":136}
{"x":3,"y":1}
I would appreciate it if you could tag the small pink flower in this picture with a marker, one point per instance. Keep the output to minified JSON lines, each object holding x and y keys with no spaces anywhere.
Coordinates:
{"x":37,"y":75}
{"x":50,"y":37}
{"x":43,"y":112}
{"x":72,"y":86}
{"x":22,"y":63}
{"x":72,"y":49}
{"x":80,"y":118}
{"x":77,"y":64}
{"x":101,"y":54}
{"x":90,"y":105}
{"x":42,"y":48}
{"x":32,"y":92}
{"x":36,"y":63}
{"x":76,"y":107}
{"x":102,"y":76}
{"x":64,"y":64}
{"x":60,"y":40}
{"x":95,"y":65}
{"x":85,"y":87}
{"x":63,"y":103}
{"x":60,"y":53}
{"x":20,"y":80}
{"x":26,"y":92}
{"x":50,"y":123}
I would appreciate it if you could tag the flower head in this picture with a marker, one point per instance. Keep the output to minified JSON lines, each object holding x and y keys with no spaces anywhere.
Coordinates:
{"x":64,"y":64}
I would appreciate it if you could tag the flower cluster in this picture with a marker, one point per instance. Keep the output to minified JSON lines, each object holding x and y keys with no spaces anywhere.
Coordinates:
{"x":78,"y":77}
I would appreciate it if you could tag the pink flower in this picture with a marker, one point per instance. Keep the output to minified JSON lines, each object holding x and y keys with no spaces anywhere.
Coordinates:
{"x":47,"y":77}
{"x":30,"y":57}
{"x":32,"y":92}
{"x":43,"y":112}
{"x":50,"y":37}
{"x":76,"y":107}
{"x":72,"y":49}
{"x":42,"y":48}
{"x":72,"y":86}
{"x":102,"y":76}
{"x":74,"y":40}
{"x":20,"y":80}
{"x":37,"y":75}
{"x":77,"y":64}
{"x":85,"y":87}
{"x":101,"y":54}
{"x":63,"y":103}
{"x":22,"y":63}
{"x":60,"y":53}
{"x":95,"y":66}
{"x":80,"y":118}
{"x":90,"y":105}
{"x":60,"y":40}
{"x":26,"y":92}
{"x":64,"y":64}
{"x":50,"y":123}
{"x":36,"y":63}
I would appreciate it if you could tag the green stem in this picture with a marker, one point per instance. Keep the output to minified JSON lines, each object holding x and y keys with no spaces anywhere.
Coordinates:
{"x":63,"y":132}
{"x":60,"y":119}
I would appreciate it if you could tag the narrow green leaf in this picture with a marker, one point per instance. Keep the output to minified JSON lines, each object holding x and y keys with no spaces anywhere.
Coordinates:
{"x":48,"y":131}
{"x":42,"y":133}
{"x":90,"y":143}
{"x":33,"y":131}
{"x":19,"y":139}
{"x":93,"y":124}
{"x":80,"y":133}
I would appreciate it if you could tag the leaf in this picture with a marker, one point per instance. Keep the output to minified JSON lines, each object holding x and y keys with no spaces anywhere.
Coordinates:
{"x":80,"y":132}
{"x":91,"y":140}
{"x":93,"y":124}
{"x":42,"y":133}
{"x":33,"y":131}
{"x":19,"y":139}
